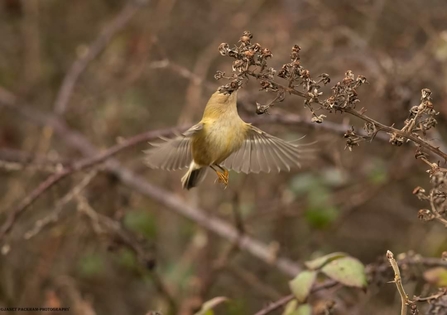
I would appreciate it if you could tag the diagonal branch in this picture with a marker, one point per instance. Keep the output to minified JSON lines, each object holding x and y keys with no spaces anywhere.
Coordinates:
{"x":135,"y":182}
{"x":82,"y":164}
{"x":93,"y":50}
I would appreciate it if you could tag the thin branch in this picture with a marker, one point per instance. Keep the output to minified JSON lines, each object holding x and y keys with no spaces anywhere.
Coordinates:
{"x":403,"y":134}
{"x":78,"y":141}
{"x":59,"y":206}
{"x":250,"y":278}
{"x":15,"y":212}
{"x":16,"y":166}
{"x":398,"y":281}
{"x":381,"y":127}
{"x":18,"y":156}
{"x":92,"y":51}
{"x":105,"y":225}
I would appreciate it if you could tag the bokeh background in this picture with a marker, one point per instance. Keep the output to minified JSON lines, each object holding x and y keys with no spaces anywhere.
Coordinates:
{"x":154,"y":69}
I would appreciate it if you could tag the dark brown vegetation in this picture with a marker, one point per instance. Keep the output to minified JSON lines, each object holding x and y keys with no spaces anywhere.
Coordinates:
{"x":84,"y":85}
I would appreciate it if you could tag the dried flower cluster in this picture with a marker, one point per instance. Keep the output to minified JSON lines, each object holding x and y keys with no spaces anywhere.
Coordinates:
{"x":247,"y":56}
{"x":421,"y":119}
{"x":250,"y":60}
{"x":436,"y":197}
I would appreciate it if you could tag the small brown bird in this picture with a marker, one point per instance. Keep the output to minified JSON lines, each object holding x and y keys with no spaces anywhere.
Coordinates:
{"x":221,"y":141}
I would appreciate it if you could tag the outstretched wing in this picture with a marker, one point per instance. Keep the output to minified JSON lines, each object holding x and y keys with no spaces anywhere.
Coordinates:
{"x":261,"y":152}
{"x":172,"y":154}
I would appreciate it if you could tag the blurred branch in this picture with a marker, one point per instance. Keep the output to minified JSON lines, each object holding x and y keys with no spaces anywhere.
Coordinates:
{"x":139,"y":184}
{"x":15,"y":212}
{"x":238,"y":20}
{"x":222,"y":262}
{"x":17,"y":156}
{"x":32,"y":63}
{"x":16,"y":166}
{"x":253,"y":281}
{"x":59,"y":206}
{"x":104,"y":225}
{"x":75,"y":139}
{"x":91,"y":52}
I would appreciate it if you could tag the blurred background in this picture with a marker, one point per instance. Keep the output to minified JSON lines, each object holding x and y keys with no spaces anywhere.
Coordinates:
{"x":112,"y":69}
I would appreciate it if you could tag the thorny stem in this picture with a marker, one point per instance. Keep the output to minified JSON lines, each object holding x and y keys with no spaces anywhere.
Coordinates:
{"x":251,"y":60}
{"x":436,"y":296}
{"x":401,"y":133}
{"x":398,"y":281}
{"x":380,"y":126}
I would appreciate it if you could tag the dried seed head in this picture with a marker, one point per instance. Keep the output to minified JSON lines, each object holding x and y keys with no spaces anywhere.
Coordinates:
{"x":219,"y":75}
{"x":318,"y":119}
{"x":425,"y":215}
{"x":266,"y":53}
{"x":223,"y":49}
{"x":426,"y":94}
{"x":256,"y":47}
{"x":325,"y":78}
{"x":361,"y":79}
{"x":418,"y":190}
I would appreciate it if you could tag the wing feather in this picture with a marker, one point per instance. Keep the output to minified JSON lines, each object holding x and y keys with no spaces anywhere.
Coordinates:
{"x":172,"y":154}
{"x":262,"y":152}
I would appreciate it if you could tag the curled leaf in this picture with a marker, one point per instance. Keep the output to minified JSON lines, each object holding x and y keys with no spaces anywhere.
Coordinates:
{"x":302,"y":284}
{"x":321,"y":261}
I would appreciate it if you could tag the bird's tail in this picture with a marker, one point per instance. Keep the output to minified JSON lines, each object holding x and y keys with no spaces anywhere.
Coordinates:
{"x":193,"y":177}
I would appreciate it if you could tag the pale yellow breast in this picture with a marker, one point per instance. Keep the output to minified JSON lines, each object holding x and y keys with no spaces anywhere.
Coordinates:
{"x":217,"y":140}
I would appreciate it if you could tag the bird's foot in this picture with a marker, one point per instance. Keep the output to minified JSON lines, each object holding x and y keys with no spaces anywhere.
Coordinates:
{"x":222,"y":177}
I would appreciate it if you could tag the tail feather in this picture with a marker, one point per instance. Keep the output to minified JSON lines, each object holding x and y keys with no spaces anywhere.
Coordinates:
{"x":193,"y":177}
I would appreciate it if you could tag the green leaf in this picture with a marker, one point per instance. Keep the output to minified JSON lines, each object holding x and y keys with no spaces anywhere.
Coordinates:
{"x":320,"y":217}
{"x":320,"y":211}
{"x":302,"y":284}
{"x":207,"y":307}
{"x":290,"y":308}
{"x":321,"y":261}
{"x":346,"y":270}
{"x":304,"y":309}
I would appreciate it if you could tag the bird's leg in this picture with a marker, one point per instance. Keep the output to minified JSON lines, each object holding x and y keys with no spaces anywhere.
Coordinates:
{"x":225,"y":175}
{"x":222,"y":177}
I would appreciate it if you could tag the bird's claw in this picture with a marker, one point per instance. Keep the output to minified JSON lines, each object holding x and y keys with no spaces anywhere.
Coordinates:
{"x":223,"y":177}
